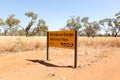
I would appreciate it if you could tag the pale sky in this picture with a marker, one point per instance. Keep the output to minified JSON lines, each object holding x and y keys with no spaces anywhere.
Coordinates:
{"x":57,"y":12}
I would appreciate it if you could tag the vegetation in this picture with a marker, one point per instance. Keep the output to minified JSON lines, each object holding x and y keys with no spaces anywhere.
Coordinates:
{"x":34,"y":17}
{"x":12,"y":24}
{"x":21,"y":43}
{"x":17,"y":43}
{"x":41,"y":28}
{"x":109,"y":26}
{"x":104,"y":27}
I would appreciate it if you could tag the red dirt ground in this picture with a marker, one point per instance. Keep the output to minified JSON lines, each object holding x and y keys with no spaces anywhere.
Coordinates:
{"x":94,"y":63}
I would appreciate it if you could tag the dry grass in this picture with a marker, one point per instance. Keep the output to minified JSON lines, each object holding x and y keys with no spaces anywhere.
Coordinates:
{"x":13,"y":43}
{"x":99,"y":41}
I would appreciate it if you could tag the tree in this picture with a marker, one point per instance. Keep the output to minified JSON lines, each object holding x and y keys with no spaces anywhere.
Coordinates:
{"x":116,"y":22}
{"x":41,"y":28}
{"x":94,"y":27}
{"x":106,"y":23}
{"x":3,"y":24}
{"x":90,"y":28}
{"x":12,"y":24}
{"x":34,"y":17}
{"x":73,"y":23}
{"x":111,"y":25}
{"x":21,"y":32}
{"x":87,"y":28}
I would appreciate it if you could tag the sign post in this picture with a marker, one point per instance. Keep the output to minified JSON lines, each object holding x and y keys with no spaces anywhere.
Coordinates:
{"x":63,"y":39}
{"x":76,"y":44}
{"x":48,"y":46}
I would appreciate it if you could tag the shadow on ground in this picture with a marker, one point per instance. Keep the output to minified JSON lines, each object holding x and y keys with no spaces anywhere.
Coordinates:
{"x":47,"y":64}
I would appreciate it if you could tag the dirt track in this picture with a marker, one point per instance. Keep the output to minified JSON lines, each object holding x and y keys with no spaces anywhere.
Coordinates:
{"x":94,"y":63}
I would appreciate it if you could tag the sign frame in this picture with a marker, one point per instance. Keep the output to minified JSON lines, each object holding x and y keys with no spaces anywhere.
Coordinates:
{"x":75,"y":46}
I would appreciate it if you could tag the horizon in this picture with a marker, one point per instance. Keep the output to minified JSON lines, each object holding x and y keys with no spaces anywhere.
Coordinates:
{"x":56,"y":13}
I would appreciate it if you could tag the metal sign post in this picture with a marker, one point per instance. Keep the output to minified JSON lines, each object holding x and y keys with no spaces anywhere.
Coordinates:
{"x":48,"y":46}
{"x":76,"y":44}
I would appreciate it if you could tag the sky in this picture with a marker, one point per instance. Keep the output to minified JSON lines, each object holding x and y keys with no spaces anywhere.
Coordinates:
{"x":57,"y":12}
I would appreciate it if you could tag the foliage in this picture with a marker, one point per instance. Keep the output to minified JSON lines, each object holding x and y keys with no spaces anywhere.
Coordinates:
{"x":34,"y":17}
{"x":73,"y":23}
{"x":108,"y":26}
{"x":90,"y":28}
{"x":94,"y":27}
{"x":105,"y":25}
{"x":12,"y":24}
{"x":41,"y":28}
{"x":11,"y":21}
{"x":2,"y":22}
{"x":111,"y":25}
{"x":21,"y":32}
{"x":116,"y":22}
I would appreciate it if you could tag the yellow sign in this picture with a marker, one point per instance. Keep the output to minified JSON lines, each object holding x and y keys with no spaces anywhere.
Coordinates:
{"x":62,"y":39}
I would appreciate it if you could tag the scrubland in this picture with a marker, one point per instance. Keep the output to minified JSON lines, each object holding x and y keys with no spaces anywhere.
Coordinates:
{"x":16,"y":43}
{"x":24,"y":58}
{"x":100,"y":41}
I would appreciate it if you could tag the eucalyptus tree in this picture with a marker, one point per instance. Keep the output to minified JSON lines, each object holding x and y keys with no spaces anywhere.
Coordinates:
{"x":94,"y":28}
{"x":34,"y":17}
{"x":90,"y":28}
{"x":116,"y":22}
{"x":111,"y":26}
{"x":12,"y":24}
{"x":73,"y":23}
{"x":2,"y":24}
{"x":105,"y":25}
{"x":87,"y":27}
{"x":41,"y":28}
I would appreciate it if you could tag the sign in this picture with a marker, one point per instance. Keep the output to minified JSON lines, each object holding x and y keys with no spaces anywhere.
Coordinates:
{"x":62,"y":39}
